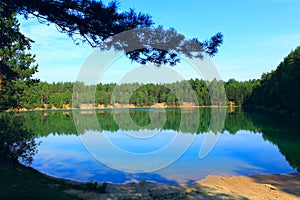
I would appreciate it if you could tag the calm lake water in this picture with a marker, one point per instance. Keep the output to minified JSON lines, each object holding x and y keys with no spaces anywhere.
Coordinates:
{"x":163,"y":145}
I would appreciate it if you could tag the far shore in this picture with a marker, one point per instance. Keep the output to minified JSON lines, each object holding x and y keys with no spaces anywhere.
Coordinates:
{"x":185,"y":105}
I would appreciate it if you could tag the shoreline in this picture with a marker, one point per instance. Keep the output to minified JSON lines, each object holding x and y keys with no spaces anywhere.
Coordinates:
{"x":256,"y":187}
{"x":117,"y":107}
{"x":264,"y":186}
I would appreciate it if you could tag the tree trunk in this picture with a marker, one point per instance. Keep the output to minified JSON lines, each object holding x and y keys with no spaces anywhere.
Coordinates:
{"x":1,"y":79}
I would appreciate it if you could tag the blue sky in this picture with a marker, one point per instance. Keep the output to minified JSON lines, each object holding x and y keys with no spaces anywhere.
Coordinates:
{"x":258,"y":34}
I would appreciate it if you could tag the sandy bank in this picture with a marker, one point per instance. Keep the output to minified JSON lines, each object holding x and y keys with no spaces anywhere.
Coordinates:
{"x":256,"y":187}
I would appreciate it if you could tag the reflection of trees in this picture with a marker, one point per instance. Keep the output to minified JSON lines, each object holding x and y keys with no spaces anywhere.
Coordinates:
{"x":51,"y":122}
{"x":217,"y":119}
{"x":282,"y":132}
{"x":279,"y":131}
{"x":16,"y":141}
{"x":238,"y":120}
{"x":44,"y":124}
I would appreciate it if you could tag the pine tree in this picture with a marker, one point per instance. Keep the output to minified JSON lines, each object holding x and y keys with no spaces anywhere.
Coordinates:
{"x":93,"y":22}
{"x":17,"y":66}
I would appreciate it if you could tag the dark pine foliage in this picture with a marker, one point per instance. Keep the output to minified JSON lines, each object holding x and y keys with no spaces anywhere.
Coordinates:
{"x":94,"y":22}
{"x":280,"y":89}
{"x":17,"y":65}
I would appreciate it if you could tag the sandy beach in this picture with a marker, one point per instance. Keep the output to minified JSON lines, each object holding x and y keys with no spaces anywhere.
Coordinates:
{"x":256,"y":187}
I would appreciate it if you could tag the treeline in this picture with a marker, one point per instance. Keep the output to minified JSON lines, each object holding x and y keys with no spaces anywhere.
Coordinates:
{"x":280,"y":89}
{"x":199,"y":92}
{"x":277,"y":90}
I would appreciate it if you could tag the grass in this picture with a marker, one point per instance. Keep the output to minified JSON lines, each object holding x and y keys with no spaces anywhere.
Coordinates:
{"x":26,"y":183}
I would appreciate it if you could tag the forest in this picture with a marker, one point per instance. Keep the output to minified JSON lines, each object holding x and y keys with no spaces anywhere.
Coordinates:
{"x":199,"y":92}
{"x":280,"y":89}
{"x":277,"y":90}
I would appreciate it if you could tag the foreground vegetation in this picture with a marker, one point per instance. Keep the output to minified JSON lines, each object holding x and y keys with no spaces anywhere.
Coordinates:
{"x":21,"y":182}
{"x":26,"y":183}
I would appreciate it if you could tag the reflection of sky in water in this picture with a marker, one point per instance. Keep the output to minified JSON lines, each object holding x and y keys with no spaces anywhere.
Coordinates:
{"x":138,"y":142}
{"x":244,"y":153}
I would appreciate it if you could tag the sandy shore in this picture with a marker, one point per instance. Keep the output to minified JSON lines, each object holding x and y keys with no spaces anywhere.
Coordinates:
{"x":257,"y":187}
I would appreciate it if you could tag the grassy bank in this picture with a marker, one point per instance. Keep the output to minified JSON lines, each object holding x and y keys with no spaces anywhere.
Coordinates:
{"x":26,"y":183}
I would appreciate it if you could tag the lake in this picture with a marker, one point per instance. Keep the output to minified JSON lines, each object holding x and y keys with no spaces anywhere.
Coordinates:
{"x":170,"y":146}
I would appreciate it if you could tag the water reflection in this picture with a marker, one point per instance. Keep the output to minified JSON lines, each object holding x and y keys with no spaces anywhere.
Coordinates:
{"x":17,"y":143}
{"x":249,"y":143}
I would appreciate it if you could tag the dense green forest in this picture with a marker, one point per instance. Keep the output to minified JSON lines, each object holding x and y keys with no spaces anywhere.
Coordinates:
{"x":277,"y":90}
{"x":200,"y":92}
{"x":280,"y":89}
